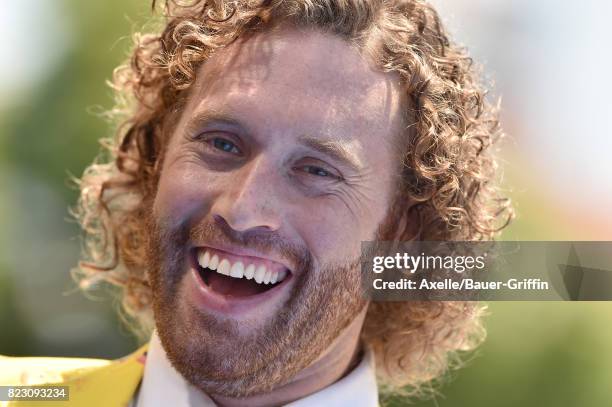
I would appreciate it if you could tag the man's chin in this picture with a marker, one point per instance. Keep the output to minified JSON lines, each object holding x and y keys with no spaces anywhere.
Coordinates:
{"x":231,"y":346}
{"x":221,"y":356}
{"x":236,"y":345}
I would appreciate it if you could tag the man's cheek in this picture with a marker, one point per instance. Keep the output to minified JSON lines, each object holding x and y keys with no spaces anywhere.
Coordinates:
{"x":335,"y":243}
{"x":177,"y":199}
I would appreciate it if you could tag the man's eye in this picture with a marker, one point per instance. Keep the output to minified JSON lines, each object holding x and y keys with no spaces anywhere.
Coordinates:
{"x":317,"y":171}
{"x":225,"y":145}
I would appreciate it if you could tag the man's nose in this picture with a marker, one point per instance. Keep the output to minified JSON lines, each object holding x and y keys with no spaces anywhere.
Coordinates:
{"x":250,"y":200}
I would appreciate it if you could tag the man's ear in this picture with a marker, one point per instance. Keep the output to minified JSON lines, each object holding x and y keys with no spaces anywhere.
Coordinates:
{"x":403,"y":221}
{"x":409,"y":222}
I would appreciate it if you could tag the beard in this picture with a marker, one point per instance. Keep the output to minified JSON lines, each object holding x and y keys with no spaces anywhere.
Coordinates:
{"x":222,"y":356}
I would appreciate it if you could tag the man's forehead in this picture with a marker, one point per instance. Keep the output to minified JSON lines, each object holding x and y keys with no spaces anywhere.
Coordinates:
{"x":296,"y":57}
{"x":308,"y":64}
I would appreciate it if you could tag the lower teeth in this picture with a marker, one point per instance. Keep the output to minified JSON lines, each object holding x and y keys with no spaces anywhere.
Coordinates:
{"x":229,"y":286}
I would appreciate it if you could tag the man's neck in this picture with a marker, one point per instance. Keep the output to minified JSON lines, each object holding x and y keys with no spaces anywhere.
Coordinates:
{"x":339,"y":359}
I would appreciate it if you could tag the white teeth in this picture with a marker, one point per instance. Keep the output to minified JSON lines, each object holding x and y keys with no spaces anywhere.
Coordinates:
{"x":237,"y":270}
{"x":260,"y":273}
{"x":203,"y":259}
{"x":267,"y":277}
{"x":224,"y":267}
{"x":249,"y":272}
{"x":214,"y":262}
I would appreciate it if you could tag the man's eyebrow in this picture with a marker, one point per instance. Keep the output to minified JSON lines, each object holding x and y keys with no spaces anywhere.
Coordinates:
{"x":200,"y":120}
{"x":337,"y":150}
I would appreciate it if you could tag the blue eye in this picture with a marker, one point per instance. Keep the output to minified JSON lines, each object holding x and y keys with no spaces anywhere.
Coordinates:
{"x":225,"y":145}
{"x":318,"y":171}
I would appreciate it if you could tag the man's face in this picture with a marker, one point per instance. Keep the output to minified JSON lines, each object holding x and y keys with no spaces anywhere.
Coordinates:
{"x":281,"y":164}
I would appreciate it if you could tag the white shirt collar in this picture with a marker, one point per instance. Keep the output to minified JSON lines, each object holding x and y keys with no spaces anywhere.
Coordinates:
{"x":162,"y":385}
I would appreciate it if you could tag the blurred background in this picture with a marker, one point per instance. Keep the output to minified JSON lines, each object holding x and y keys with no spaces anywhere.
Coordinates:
{"x":548,"y":60}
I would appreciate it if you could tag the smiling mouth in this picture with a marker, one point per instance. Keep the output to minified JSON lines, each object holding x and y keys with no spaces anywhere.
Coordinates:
{"x":237,"y":276}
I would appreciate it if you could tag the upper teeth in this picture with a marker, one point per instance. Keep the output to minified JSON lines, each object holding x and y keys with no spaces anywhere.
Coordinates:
{"x":260,"y":273}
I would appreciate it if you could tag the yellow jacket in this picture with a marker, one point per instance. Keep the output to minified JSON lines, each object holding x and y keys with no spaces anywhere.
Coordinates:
{"x":91,"y":382}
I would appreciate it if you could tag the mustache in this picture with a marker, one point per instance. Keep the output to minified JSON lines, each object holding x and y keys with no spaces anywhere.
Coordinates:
{"x":264,"y":241}
{"x":174,"y":240}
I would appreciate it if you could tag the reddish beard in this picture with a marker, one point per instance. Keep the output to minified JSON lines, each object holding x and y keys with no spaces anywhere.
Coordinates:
{"x":224,"y":357}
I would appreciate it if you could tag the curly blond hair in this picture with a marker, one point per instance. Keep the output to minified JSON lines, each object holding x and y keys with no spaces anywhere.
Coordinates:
{"x":448,"y":185}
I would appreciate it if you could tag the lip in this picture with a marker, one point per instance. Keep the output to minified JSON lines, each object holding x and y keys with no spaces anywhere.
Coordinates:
{"x":205,"y":298}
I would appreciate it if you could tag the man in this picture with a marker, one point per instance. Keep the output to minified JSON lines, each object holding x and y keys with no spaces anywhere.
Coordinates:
{"x":263,"y":142}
